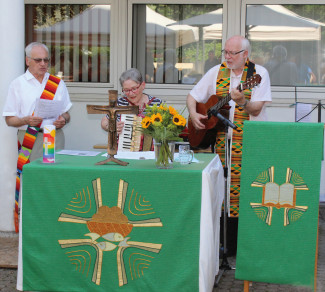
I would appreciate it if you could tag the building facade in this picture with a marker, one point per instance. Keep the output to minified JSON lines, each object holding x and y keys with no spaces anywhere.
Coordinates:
{"x":92,"y":42}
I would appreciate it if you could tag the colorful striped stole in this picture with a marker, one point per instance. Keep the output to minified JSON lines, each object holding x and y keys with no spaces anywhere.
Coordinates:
{"x":25,"y":150}
{"x":222,"y":89}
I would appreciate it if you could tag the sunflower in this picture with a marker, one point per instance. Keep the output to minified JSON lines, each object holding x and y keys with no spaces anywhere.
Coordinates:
{"x":179,"y":120}
{"x":146,"y":122}
{"x":163,"y":123}
{"x":156,"y":118}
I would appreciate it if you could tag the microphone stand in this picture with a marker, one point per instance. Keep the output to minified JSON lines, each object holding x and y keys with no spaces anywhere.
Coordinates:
{"x":224,"y":264}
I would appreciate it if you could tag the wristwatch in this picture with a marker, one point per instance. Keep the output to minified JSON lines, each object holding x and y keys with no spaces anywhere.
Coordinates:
{"x":243,"y":105}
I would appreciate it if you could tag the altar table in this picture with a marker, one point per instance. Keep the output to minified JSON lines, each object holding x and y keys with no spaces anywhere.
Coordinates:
{"x":87,"y":227}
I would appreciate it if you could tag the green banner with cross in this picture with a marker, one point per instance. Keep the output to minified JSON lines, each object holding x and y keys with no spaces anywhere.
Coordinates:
{"x":279,"y":201}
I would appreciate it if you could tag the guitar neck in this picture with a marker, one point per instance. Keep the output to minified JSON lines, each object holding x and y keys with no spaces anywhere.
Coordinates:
{"x":223,"y":101}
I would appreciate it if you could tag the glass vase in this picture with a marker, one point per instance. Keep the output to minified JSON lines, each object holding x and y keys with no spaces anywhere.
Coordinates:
{"x":164,"y":154}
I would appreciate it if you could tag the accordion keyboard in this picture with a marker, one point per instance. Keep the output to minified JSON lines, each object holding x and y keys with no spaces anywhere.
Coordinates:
{"x":130,"y":138}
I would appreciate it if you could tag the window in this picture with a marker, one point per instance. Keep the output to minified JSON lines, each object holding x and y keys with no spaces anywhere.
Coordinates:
{"x":288,"y":40}
{"x":78,"y":38}
{"x":176,"y":43}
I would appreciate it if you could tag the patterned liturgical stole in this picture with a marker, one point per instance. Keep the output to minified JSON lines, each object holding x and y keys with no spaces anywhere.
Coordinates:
{"x":223,"y":84}
{"x":25,"y":150}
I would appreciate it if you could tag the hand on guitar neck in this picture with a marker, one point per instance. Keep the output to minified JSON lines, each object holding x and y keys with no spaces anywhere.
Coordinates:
{"x":202,"y":123}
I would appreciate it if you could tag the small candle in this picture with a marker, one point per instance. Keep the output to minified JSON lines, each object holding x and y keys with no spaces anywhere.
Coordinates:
{"x":49,"y":144}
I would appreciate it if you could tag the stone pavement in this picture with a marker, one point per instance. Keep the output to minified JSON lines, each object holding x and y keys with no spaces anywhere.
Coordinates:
{"x":227,"y":283}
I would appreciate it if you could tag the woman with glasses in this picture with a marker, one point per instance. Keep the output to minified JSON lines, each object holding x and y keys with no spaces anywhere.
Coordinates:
{"x":132,"y":87}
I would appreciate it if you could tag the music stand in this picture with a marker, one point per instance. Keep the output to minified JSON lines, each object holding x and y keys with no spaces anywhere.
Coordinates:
{"x":318,"y":106}
{"x":224,"y":264}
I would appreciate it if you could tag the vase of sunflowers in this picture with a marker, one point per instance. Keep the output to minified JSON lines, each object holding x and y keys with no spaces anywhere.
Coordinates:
{"x":164,"y":124}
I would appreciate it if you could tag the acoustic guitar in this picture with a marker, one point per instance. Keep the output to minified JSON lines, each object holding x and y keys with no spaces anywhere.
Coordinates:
{"x":202,"y":139}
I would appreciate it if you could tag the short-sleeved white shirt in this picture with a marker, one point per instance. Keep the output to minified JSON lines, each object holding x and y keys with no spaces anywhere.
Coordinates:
{"x":25,"y":90}
{"x":207,"y":87}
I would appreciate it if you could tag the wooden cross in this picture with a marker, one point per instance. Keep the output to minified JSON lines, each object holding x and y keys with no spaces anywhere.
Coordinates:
{"x":112,"y":110}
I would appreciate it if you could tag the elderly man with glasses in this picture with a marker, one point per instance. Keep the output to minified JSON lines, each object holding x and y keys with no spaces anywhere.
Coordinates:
{"x":249,"y":104}
{"x":24,"y":92}
{"x":34,"y":86}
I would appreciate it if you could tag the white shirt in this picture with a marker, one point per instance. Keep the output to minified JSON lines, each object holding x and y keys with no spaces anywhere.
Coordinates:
{"x":25,"y":90}
{"x":207,"y":87}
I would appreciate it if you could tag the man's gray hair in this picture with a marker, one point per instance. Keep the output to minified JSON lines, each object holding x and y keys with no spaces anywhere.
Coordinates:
{"x":131,"y":74}
{"x":29,"y":48}
{"x":246,"y":46}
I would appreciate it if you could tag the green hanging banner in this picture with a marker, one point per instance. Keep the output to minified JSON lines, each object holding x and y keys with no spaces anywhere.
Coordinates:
{"x":280,"y":183}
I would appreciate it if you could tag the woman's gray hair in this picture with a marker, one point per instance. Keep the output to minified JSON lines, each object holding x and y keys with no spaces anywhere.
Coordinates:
{"x":246,"y":46}
{"x":29,"y":48}
{"x":131,"y":74}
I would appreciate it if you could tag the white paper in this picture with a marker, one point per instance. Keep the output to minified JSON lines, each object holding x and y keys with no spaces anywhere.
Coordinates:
{"x":134,"y":155}
{"x":303,"y":112}
{"x":78,"y":152}
{"x":48,"y":109}
{"x":142,"y":155}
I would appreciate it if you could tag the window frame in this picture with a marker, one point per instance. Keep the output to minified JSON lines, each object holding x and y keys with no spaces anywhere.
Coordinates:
{"x":84,"y":89}
{"x":234,"y":19}
{"x":287,"y":94}
{"x":169,"y":89}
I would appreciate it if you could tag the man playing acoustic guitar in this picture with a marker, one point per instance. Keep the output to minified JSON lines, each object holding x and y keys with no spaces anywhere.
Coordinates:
{"x":220,"y":82}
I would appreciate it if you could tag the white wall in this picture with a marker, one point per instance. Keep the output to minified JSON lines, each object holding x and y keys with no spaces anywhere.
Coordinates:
{"x":12,"y":61}
{"x":84,"y":131}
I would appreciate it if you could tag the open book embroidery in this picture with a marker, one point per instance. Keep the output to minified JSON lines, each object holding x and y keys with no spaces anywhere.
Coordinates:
{"x":279,"y":196}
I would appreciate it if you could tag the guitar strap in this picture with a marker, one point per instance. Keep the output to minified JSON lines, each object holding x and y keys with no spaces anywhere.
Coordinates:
{"x":25,"y":150}
{"x":223,"y":84}
{"x":250,"y":70}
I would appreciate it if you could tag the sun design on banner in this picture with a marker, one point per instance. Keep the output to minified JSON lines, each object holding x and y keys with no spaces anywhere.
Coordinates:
{"x":279,"y":196}
{"x":108,"y":230}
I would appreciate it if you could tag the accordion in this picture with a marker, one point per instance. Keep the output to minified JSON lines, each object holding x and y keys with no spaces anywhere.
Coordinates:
{"x":132,"y":138}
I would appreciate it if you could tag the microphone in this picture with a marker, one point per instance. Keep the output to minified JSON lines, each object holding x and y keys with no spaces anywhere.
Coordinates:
{"x":224,"y":120}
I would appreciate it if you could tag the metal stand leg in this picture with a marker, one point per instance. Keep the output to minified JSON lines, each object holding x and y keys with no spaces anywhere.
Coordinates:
{"x":224,"y":264}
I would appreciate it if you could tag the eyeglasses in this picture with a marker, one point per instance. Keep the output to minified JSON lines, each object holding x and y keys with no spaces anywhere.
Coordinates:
{"x":224,"y":52}
{"x":133,"y":90}
{"x":39,"y":60}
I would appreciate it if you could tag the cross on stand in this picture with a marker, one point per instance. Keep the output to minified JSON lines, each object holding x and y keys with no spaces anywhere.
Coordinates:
{"x":112,"y":110}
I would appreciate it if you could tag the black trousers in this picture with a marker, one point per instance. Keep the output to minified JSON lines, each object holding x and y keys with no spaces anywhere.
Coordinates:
{"x":231,"y":239}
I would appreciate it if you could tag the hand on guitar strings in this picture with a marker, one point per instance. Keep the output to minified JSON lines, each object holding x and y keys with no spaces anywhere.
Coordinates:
{"x":196,"y":119}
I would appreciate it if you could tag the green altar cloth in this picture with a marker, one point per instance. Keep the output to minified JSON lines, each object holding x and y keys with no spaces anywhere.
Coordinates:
{"x":88,"y":227}
{"x":279,"y":200}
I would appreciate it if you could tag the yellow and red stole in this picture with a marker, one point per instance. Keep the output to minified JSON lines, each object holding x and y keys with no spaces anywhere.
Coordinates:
{"x":222,"y":89}
{"x":25,"y":150}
